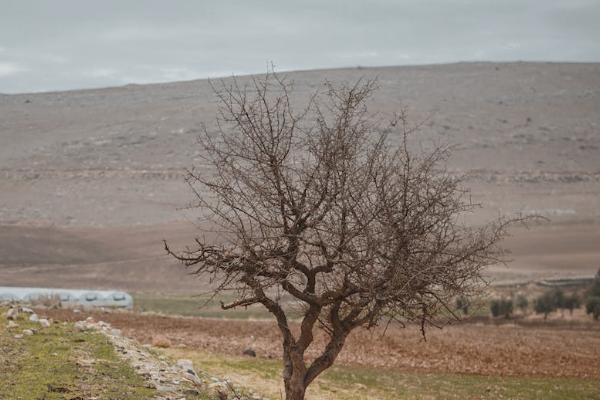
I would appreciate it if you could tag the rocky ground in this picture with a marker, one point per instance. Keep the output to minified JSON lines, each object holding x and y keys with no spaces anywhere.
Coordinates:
{"x":162,"y":378}
{"x":172,"y":380}
{"x":561,"y":347}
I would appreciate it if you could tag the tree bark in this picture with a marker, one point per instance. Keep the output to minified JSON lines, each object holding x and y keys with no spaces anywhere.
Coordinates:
{"x":327,"y":358}
{"x":294,"y":373}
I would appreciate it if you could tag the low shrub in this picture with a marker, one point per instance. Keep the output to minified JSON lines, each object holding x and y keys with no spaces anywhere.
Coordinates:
{"x":545,"y":304}
{"x":592,"y":307}
{"x":522,"y":303}
{"x":501,"y":307}
{"x":463,"y":304}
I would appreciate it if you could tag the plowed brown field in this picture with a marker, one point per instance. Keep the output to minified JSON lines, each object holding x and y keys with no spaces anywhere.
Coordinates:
{"x":552,"y":349}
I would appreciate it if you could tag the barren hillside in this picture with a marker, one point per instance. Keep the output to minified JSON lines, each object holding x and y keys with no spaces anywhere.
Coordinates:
{"x":91,"y":180}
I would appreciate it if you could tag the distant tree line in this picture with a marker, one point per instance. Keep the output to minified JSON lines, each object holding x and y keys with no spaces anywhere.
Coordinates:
{"x":548,"y":302}
{"x":554,"y":300}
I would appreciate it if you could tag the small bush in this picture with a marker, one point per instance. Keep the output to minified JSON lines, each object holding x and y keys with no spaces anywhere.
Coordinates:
{"x":545,"y":304}
{"x":463,"y":304}
{"x":501,"y":307}
{"x":595,"y":289}
{"x":571,"y":302}
{"x":522,"y":303}
{"x":592,"y":303}
{"x":558,"y":297}
{"x":592,"y":307}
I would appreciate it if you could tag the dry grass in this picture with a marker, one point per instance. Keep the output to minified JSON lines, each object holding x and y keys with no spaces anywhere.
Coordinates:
{"x":368,"y":383}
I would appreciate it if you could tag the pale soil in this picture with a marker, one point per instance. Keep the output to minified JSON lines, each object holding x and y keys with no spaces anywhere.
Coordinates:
{"x":91,"y":181}
{"x":527,"y":348}
{"x":133,"y":258}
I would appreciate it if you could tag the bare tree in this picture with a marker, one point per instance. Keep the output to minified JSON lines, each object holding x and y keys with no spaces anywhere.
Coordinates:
{"x":330,"y":207}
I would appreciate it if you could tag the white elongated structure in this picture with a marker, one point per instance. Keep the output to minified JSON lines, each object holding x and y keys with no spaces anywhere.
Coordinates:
{"x":68,"y":297}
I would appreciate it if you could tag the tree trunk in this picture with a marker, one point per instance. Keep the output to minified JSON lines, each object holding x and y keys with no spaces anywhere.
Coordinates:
{"x":294,"y":390}
{"x":294,"y":374}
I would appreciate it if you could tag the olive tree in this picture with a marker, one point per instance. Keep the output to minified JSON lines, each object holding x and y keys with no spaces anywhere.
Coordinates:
{"x":330,"y":206}
{"x":592,"y":304}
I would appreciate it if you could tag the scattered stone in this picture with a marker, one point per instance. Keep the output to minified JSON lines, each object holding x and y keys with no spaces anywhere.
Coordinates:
{"x":12,"y":324}
{"x":27,"y":332}
{"x":81,"y":326}
{"x":44,"y":323}
{"x":218,"y":385}
{"x":172,"y":382}
{"x":165,"y":388}
{"x":27,"y":310}
{"x":76,"y":311}
{"x":193,"y":378}
{"x":18,"y":336}
{"x":12,"y":313}
{"x":185,"y":364}
{"x":249,"y":352}
{"x":34,"y":317}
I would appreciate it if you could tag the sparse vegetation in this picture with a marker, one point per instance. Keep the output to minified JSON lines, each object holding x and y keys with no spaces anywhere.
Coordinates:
{"x":545,"y":304}
{"x":522,"y":303}
{"x":592,"y":303}
{"x":595,"y":289}
{"x":592,"y":307}
{"x":556,"y":299}
{"x":59,"y":362}
{"x":571,"y":302}
{"x":463,"y":304}
{"x":358,"y":383}
{"x":501,"y":307}
{"x":195,"y":306}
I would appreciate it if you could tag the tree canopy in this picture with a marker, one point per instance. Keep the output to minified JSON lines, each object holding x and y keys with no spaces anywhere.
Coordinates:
{"x":329,"y":205}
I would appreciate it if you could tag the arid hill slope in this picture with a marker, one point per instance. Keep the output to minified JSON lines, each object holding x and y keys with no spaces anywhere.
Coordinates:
{"x":91,"y":180}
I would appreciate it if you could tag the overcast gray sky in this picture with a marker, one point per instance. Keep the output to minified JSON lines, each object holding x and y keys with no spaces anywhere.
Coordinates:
{"x":70,"y":44}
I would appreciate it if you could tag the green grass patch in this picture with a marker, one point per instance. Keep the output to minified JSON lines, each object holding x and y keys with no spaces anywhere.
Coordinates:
{"x":196,"y":306}
{"x":59,"y":362}
{"x":353,"y":383}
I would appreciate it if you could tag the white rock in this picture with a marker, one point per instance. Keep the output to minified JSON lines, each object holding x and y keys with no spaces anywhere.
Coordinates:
{"x":193,"y":377}
{"x":27,"y":310}
{"x":81,"y":326}
{"x":12,"y":313}
{"x":27,"y":332}
{"x":44,"y":322}
{"x":34,"y":317}
{"x":185,"y":364}
{"x":218,"y":385}
{"x":18,"y":336}
{"x":12,"y":324}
